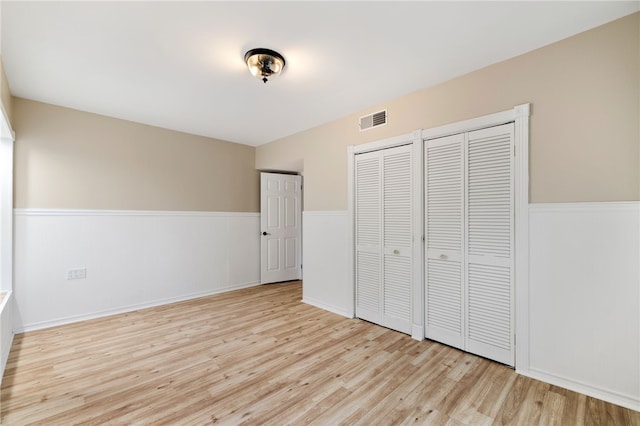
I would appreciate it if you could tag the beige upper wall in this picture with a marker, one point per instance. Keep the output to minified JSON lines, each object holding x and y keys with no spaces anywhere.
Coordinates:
{"x":585,"y":123}
{"x":70,"y":159}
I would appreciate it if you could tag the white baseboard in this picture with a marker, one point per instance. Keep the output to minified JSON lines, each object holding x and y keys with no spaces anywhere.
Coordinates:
{"x":613,"y":397}
{"x":326,"y":307}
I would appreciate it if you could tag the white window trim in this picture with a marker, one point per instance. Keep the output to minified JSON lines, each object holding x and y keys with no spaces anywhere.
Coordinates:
{"x":7,"y":137}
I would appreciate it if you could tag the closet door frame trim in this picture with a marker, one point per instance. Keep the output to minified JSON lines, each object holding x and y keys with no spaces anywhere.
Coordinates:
{"x":519,"y":115}
{"x":415,"y":140}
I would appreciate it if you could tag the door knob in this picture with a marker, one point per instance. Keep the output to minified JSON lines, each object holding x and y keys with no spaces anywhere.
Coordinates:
{"x":265,"y":233}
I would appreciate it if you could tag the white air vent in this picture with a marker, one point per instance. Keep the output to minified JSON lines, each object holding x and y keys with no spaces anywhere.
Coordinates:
{"x":373,"y":120}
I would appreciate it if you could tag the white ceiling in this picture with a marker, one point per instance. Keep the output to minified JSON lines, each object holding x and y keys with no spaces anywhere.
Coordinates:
{"x":179,"y":65}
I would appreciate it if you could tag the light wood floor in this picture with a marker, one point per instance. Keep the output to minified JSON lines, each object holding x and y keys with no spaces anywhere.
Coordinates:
{"x":260,"y":356}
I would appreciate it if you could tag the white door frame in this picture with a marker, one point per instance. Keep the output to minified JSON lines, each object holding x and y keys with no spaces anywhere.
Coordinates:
{"x":519,"y":115}
{"x":283,"y":273}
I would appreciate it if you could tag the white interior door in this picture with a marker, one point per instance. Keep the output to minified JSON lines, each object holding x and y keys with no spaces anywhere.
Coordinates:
{"x":490,"y":240}
{"x":469,"y":233}
{"x":368,"y":224}
{"x":384,"y":237}
{"x":281,"y":229}
{"x":397,"y":223}
{"x":444,"y":239}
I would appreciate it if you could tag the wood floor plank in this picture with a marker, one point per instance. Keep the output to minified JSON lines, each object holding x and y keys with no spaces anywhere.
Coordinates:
{"x":260,"y":356}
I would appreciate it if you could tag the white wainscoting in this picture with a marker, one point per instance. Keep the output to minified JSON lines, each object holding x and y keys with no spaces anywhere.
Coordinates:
{"x":134,"y":259}
{"x":584,"y":292}
{"x":584,"y":298}
{"x":325,"y":255}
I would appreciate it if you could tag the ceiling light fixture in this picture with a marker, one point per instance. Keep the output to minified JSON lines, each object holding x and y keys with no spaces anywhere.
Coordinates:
{"x":264,"y":63}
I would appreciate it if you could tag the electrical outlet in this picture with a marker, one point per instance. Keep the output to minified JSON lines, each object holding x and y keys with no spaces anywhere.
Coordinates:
{"x":77,"y":274}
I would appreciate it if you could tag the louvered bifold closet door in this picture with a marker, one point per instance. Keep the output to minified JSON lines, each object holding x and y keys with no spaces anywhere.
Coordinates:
{"x":490,"y":260}
{"x":397,"y":216}
{"x":444,"y":237}
{"x":368,"y":235}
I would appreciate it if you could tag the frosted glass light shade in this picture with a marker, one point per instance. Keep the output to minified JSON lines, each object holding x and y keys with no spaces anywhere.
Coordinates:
{"x":264,"y":64}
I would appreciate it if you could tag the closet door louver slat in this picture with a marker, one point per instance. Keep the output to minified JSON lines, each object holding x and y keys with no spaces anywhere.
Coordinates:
{"x":368,"y":282}
{"x":444,"y":296}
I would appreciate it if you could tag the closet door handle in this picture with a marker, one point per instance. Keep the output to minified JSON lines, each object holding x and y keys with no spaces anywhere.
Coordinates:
{"x":396,"y":251}
{"x":444,"y":256}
